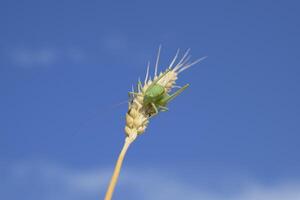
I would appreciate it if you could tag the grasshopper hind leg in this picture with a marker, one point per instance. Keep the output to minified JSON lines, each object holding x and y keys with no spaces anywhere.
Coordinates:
{"x":168,"y":98}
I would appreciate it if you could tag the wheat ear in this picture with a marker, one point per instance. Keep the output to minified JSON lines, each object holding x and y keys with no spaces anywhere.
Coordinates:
{"x":138,"y":114}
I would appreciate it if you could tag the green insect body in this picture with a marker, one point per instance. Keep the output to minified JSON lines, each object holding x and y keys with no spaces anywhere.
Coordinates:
{"x":156,"y":97}
{"x":154,"y":94}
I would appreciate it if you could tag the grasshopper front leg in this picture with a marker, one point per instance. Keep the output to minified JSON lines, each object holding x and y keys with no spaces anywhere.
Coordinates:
{"x":155,"y":110}
{"x":163,"y":108}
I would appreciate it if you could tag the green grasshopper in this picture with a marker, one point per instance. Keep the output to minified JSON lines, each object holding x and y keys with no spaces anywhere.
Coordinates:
{"x":156,"y":96}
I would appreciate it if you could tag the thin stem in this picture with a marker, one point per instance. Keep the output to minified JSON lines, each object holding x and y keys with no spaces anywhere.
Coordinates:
{"x":114,"y":178}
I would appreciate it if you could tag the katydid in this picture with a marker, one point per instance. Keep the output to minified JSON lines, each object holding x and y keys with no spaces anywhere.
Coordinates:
{"x":156,"y":96}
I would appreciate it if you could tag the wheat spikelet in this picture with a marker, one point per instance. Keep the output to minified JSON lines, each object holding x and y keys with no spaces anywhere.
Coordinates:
{"x":136,"y":118}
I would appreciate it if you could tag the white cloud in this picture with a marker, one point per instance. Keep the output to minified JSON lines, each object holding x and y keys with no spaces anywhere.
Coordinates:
{"x":52,"y":182}
{"x":43,"y":56}
{"x":115,"y":42}
{"x":30,"y":57}
{"x":74,"y":54}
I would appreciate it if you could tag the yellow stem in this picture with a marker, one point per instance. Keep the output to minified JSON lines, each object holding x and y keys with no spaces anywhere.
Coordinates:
{"x":114,"y":178}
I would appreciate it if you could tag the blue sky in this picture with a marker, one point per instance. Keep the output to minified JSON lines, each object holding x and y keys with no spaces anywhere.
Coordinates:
{"x":65,"y":65}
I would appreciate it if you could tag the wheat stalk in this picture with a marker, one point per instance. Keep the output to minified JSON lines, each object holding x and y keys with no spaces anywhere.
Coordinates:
{"x":138,"y":114}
